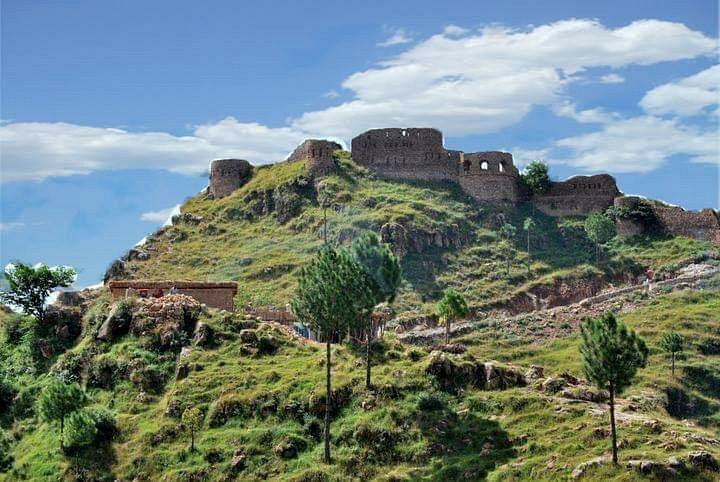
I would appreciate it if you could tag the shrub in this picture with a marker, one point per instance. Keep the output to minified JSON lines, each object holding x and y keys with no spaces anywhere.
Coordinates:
{"x":430,"y":402}
{"x":80,"y":429}
{"x":6,"y":458}
{"x":710,"y":346}
{"x":13,"y":328}
{"x":105,"y":422}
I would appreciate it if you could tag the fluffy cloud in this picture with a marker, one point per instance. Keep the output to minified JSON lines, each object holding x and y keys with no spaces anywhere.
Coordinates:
{"x":640,"y":144}
{"x":459,"y":81}
{"x":686,"y":97}
{"x":36,"y":150}
{"x":588,"y":116}
{"x":612,"y":79}
{"x":397,"y":38}
{"x":163,"y":216}
{"x":473,"y":83}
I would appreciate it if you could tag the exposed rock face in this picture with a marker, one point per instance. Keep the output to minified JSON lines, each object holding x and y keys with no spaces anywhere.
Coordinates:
{"x":227,"y":175}
{"x":165,"y":321}
{"x":455,"y":372}
{"x":116,"y":324}
{"x":404,"y":240}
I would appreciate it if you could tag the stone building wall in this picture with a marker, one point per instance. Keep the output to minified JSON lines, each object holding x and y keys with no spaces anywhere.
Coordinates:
{"x":489,"y":177}
{"x":578,"y":196}
{"x":412,"y":153}
{"x":703,"y":225}
{"x":227,"y":175}
{"x":215,"y":295}
{"x":318,"y":154}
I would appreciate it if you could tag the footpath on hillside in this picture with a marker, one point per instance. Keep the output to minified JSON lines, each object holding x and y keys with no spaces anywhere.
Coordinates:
{"x":541,"y":325}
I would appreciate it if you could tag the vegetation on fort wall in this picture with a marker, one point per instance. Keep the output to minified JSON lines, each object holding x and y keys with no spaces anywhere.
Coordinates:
{"x":263,"y":254}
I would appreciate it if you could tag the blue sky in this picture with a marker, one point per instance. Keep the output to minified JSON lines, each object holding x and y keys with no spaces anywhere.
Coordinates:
{"x":111,"y":110}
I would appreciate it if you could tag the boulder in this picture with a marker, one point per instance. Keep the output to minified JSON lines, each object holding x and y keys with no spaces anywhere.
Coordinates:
{"x":703,"y":460}
{"x":535,"y":372}
{"x":553,"y":385}
{"x":116,"y":270}
{"x":499,"y":377}
{"x":203,"y":335}
{"x":248,"y":336}
{"x":116,"y":324}
{"x":182,"y":370}
{"x":237,"y":463}
{"x":585,"y":393}
{"x":581,"y":469}
{"x":172,"y":409}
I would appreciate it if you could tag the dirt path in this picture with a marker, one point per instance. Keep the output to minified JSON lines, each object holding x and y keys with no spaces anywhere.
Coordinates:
{"x":545,"y":324}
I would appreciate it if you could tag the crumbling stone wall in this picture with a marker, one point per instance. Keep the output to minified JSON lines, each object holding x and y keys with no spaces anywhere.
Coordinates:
{"x":578,"y":196}
{"x":215,"y":295}
{"x":627,"y":227}
{"x":489,"y":176}
{"x":703,"y":225}
{"x":227,"y":175}
{"x":318,"y":155}
{"x":412,"y":153}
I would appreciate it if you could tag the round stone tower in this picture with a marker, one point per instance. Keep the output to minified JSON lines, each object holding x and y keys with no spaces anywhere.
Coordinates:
{"x":227,"y":175}
{"x":318,"y":154}
{"x":489,"y":177}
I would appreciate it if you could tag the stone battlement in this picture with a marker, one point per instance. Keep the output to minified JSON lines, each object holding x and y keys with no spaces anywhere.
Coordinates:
{"x":319,"y":155}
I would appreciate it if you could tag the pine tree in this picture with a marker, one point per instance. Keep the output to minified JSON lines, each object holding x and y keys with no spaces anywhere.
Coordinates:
{"x":611,"y":356}
{"x":507,"y":232}
{"x":529,"y":225}
{"x":384,"y":274}
{"x":451,"y":307}
{"x":672,"y":343}
{"x":332,"y":294}
{"x":58,"y":400}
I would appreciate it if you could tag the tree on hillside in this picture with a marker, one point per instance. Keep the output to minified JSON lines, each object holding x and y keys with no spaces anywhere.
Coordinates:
{"x":58,"y":400}
{"x":600,"y":228}
{"x":529,"y":225}
{"x":384,"y":275}
{"x":192,"y":419}
{"x":507,"y":232}
{"x":29,"y":286}
{"x":611,"y":356}
{"x":331,"y":295}
{"x":536,"y":178}
{"x":672,"y":343}
{"x":81,"y":430}
{"x":451,"y":307}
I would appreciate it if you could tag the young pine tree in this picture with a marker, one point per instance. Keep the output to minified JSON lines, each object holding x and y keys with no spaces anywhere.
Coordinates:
{"x":672,"y":343}
{"x":384,"y":275}
{"x":451,"y":307}
{"x":611,"y":356}
{"x":58,"y":400}
{"x":332,"y":293}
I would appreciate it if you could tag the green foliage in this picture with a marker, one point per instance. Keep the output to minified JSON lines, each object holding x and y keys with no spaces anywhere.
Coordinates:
{"x":6,"y":458}
{"x":536,"y":178}
{"x":58,"y":400}
{"x":451,"y":306}
{"x":29,"y":286}
{"x":379,"y":263}
{"x":80,"y":429}
{"x":672,"y":342}
{"x":599,"y":228}
{"x":611,"y":353}
{"x":192,"y":419}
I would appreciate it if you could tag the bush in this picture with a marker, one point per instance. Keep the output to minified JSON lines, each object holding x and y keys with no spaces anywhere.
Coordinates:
{"x":7,"y":393}
{"x":105,"y":422}
{"x":430,"y":402}
{"x":14,"y":326}
{"x":80,"y":429}
{"x":6,"y":458}
{"x":710,"y":346}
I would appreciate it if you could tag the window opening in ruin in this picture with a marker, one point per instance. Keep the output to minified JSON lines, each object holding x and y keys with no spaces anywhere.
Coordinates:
{"x":502,"y":169}
{"x":484,"y":165}
{"x":466,"y":165}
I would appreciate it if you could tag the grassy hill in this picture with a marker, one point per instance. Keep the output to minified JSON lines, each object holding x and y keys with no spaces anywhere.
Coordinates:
{"x":261,"y":389}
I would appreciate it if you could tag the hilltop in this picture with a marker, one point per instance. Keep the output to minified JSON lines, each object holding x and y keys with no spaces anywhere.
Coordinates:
{"x":505,"y":401}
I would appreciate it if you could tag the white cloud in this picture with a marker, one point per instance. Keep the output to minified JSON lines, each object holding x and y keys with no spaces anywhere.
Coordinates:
{"x":639,"y":144}
{"x":612,"y":79}
{"x":162,"y":216}
{"x":459,"y":81}
{"x":588,"y":116}
{"x":482,"y":82}
{"x":452,"y":30}
{"x":331,"y":94}
{"x":11,"y":226}
{"x":522,"y":157}
{"x":397,"y":38}
{"x":686,"y":97}
{"x":36,"y":150}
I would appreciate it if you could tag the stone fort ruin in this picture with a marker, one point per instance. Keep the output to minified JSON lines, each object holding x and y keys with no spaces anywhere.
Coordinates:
{"x":490,"y":177}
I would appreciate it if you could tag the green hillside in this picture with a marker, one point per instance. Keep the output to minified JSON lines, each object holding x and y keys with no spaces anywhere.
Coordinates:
{"x":429,"y":416}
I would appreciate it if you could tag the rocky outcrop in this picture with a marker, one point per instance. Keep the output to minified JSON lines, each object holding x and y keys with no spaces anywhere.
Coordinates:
{"x":453,"y":373}
{"x":404,"y":240}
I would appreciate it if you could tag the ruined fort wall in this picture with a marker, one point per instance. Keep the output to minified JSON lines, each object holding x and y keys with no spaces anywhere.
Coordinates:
{"x":412,"y":153}
{"x":318,"y":154}
{"x":227,"y":175}
{"x":703,"y":225}
{"x":489,"y":177}
{"x":215,"y":295}
{"x":578,"y":196}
